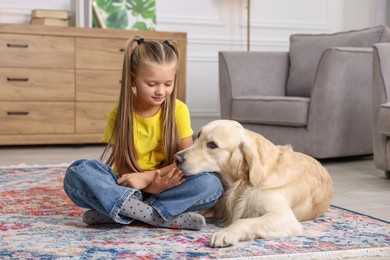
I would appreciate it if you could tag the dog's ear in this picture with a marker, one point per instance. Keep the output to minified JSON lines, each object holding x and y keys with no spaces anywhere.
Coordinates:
{"x":237,"y":164}
{"x":260,"y":154}
{"x":256,"y":171}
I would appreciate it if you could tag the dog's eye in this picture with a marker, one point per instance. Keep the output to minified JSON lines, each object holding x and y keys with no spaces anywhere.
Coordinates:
{"x":211,"y":145}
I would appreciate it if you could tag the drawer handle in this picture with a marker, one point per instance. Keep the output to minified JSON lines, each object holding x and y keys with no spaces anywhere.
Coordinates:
{"x":17,"y":79}
{"x":15,"y":45}
{"x":17,"y":113}
{"x":122,"y":50}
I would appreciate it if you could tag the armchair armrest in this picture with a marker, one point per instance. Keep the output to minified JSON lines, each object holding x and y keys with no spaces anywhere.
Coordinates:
{"x":251,"y":74}
{"x":341,"y":100}
{"x":383,"y":122}
{"x":381,"y":104}
{"x":381,"y":79}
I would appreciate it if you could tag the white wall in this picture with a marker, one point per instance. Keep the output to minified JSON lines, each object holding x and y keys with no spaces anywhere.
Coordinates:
{"x":359,"y":13}
{"x":19,"y":11}
{"x":220,"y":25}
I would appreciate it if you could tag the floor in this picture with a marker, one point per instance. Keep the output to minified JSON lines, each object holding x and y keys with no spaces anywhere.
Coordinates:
{"x":358,"y":186}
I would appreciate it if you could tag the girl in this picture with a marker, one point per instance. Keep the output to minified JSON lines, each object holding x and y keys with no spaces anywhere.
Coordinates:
{"x":139,"y":179}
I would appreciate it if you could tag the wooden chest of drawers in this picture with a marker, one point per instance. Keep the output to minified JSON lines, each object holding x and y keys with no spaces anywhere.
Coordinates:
{"x":58,"y":83}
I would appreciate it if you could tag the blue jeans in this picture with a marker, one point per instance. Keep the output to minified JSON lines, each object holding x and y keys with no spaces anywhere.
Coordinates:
{"x":92,"y":184}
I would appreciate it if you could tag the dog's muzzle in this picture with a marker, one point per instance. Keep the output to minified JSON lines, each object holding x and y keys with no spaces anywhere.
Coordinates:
{"x":179,"y":160}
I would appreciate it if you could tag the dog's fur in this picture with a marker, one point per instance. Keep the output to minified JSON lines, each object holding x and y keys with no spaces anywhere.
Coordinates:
{"x":268,"y":189}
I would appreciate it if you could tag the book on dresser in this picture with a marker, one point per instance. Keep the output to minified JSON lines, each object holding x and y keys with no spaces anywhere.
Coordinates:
{"x":49,"y":21}
{"x":58,"y":83}
{"x":53,"y":14}
{"x":49,"y":17}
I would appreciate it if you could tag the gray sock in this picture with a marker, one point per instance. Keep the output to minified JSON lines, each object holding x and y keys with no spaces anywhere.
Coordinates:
{"x":93,"y":217}
{"x":138,"y":210}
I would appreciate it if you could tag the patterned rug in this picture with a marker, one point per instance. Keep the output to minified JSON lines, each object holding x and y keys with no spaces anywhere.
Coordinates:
{"x":37,"y":221}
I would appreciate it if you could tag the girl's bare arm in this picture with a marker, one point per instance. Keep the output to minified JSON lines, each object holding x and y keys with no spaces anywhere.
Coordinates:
{"x":141,"y":180}
{"x":157,"y":181}
{"x":170,"y":176}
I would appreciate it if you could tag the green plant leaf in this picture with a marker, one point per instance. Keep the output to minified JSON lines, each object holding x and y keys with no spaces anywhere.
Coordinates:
{"x":139,"y":26}
{"x":110,"y":6}
{"x":145,"y":8}
{"x":117,"y":13}
{"x":117,"y":20}
{"x":129,"y":4}
{"x":151,"y":28}
{"x":150,"y":15}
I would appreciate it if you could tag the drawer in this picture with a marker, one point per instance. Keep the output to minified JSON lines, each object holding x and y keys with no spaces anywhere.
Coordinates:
{"x":36,"y":117}
{"x":91,"y":116}
{"x":36,"y":84}
{"x":36,"y":51}
{"x":98,"y":85}
{"x":97,"y":53}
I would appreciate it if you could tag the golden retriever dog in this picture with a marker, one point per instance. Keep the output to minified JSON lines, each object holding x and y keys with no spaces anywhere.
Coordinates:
{"x":269,"y":189}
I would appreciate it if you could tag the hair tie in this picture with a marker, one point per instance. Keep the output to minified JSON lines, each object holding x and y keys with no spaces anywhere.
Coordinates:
{"x":168,"y":43}
{"x":140,"y":41}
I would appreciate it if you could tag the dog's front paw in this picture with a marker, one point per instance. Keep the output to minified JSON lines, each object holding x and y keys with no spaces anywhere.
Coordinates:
{"x":224,"y":238}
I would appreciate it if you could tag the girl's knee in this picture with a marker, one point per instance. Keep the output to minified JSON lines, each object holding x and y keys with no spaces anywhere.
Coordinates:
{"x":72,"y":174}
{"x":78,"y":169}
{"x":77,"y":163}
{"x":74,"y":169}
{"x":213,"y":180}
{"x":209,"y":190}
{"x":210,"y":183}
{"x":83,"y":165}
{"x":89,"y":171}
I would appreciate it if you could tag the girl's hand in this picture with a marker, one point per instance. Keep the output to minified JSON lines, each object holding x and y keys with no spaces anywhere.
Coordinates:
{"x":162,"y":182}
{"x":136,"y":180}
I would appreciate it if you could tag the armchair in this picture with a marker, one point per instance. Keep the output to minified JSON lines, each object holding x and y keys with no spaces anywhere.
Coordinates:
{"x":316,"y":97}
{"x":381,"y":101}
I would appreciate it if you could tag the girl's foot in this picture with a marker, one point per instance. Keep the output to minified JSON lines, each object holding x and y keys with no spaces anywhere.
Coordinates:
{"x":138,"y":210}
{"x":93,"y":217}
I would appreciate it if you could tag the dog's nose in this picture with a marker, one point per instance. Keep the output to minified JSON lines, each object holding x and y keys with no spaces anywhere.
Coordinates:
{"x":179,"y":158}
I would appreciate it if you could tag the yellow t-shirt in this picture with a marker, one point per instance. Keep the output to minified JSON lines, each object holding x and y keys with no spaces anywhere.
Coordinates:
{"x":148,"y":134}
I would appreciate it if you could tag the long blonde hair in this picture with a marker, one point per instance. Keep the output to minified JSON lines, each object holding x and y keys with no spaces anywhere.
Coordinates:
{"x":120,"y":150}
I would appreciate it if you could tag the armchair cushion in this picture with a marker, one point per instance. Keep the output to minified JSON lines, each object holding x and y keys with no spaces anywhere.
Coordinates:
{"x":306,"y":50}
{"x":383,"y":119}
{"x":271,"y":110}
